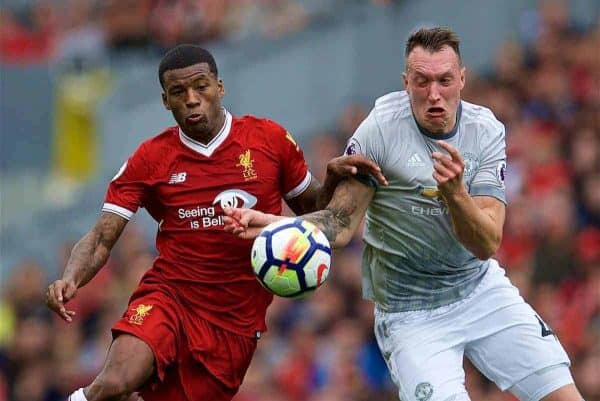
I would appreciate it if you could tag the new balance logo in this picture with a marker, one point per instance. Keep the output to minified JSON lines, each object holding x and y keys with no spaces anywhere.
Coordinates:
{"x":177,"y":178}
{"x":415,"y":161}
{"x":546,"y":331}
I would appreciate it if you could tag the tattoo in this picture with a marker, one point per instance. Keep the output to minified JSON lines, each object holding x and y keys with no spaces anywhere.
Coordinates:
{"x":343,"y":213}
{"x":91,"y":252}
{"x":332,"y":221}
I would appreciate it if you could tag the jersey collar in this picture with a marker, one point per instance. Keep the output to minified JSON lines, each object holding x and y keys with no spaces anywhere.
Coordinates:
{"x":442,"y":136}
{"x":209,"y":148}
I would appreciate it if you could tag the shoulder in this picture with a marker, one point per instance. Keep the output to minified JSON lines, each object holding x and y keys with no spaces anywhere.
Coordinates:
{"x":262,"y":130}
{"x":392,"y":107}
{"x":260,"y":124}
{"x":167,"y":137}
{"x":389,"y":112}
{"x":158,"y":145}
{"x":483,"y":117}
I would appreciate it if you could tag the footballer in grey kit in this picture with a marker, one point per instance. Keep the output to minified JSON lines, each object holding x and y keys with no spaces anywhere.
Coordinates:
{"x":430,"y":237}
{"x":412,"y":259}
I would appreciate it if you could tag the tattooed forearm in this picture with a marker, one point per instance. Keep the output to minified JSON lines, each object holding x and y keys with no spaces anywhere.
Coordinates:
{"x":92,"y":251}
{"x":344,"y":212}
{"x":332,"y":221}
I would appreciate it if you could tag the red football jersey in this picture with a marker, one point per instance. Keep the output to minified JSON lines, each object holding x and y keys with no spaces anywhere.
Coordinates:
{"x":185,"y":185}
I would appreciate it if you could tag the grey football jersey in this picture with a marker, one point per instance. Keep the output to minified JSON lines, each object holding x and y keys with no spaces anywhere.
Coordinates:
{"x":412,"y":259}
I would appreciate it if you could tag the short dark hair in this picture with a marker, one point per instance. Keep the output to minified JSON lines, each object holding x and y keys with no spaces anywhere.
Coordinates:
{"x":433,"y":39}
{"x":184,"y":55}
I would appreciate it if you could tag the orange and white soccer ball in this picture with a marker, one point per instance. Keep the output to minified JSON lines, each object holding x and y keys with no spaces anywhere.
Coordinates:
{"x":291,"y":257}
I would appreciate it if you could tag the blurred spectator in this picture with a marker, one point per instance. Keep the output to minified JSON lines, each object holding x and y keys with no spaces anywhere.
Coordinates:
{"x":27,"y":40}
{"x":126,"y":24}
{"x":266,"y":18}
{"x":83,"y":43}
{"x":80,"y":33}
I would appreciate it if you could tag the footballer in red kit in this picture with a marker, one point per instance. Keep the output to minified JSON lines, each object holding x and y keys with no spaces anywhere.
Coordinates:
{"x":191,"y":326}
{"x":185,"y":185}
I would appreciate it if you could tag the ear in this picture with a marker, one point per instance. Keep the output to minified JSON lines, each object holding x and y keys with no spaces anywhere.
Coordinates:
{"x":220,"y":88}
{"x":165,"y":103}
{"x":405,"y":79}
{"x":463,"y":77}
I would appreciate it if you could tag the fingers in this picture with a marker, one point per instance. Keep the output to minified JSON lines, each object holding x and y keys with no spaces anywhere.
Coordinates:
{"x":240,"y":231}
{"x":449,"y":164}
{"x":232,"y":212}
{"x":438,"y":178}
{"x":69,"y":292}
{"x":452,"y":151}
{"x":380,"y":178}
{"x":67,"y":315}
{"x":57,"y":294}
{"x":58,"y":290}
{"x":361,"y":163}
{"x":443,"y":171}
{"x":247,"y":217}
{"x":244,"y":223}
{"x":230,"y":224}
{"x":249,"y":233}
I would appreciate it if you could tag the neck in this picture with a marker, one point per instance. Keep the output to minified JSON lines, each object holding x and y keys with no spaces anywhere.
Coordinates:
{"x":205,"y":137}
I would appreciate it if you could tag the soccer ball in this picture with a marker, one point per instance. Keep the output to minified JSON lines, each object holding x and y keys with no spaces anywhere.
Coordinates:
{"x":291,"y":257}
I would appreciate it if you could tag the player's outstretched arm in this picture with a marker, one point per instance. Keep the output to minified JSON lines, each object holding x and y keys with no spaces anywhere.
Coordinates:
{"x":317,"y":196}
{"x":87,"y":258}
{"x":340,"y":219}
{"x":247,"y":223}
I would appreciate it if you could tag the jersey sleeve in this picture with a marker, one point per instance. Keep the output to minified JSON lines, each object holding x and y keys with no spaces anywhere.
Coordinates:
{"x":295,"y":176}
{"x":127,"y":190}
{"x":489,"y":177}
{"x":367,"y":141}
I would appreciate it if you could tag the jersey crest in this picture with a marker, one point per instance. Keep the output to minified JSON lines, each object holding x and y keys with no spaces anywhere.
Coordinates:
{"x":246,"y":162}
{"x":141,"y":311}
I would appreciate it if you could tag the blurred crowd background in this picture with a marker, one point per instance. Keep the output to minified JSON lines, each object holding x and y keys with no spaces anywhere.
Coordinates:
{"x":542,"y":81}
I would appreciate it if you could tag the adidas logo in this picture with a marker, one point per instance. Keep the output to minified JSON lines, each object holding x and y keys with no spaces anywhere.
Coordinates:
{"x":415,"y":161}
{"x":177,"y":178}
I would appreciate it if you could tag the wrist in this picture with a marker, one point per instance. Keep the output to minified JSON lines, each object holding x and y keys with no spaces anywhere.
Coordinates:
{"x":69,"y":278}
{"x":457,"y":197}
{"x":272,"y":218}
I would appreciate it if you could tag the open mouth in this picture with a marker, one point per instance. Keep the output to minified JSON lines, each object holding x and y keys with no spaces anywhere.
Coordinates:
{"x":194,"y":118}
{"x":436,"y":111}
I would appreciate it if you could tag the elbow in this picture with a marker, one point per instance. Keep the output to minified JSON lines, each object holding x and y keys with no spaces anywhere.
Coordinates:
{"x":488,"y":249}
{"x":484,"y":254}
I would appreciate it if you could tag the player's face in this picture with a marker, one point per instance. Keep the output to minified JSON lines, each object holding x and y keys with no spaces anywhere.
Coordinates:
{"x":193,"y":94}
{"x":433,"y":82}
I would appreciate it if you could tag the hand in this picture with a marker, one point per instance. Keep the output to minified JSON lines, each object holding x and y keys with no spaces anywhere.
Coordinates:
{"x":246,"y":223}
{"x":58,"y":294}
{"x":448,"y":170}
{"x":346,"y":166}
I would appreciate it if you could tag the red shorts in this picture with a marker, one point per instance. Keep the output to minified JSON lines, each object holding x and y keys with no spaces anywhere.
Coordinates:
{"x":195,"y":360}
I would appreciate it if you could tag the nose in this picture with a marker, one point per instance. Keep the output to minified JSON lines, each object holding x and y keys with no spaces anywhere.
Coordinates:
{"x":192,"y":98}
{"x":434,"y":93}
